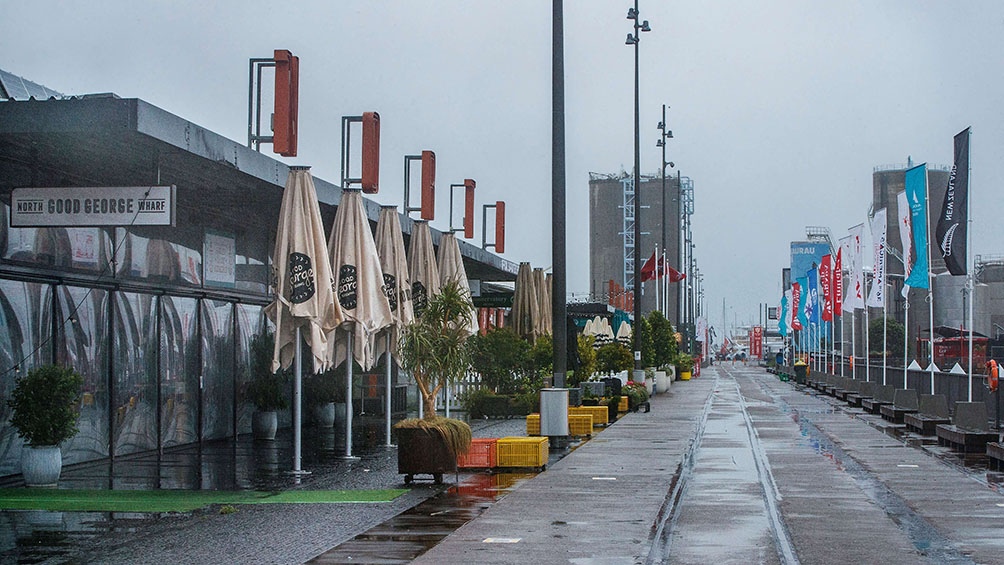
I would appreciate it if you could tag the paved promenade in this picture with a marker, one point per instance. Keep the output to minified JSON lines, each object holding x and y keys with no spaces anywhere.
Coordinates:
{"x":731,"y":467}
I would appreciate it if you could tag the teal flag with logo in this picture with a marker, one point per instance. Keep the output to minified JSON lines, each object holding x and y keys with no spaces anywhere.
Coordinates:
{"x":916,"y":196}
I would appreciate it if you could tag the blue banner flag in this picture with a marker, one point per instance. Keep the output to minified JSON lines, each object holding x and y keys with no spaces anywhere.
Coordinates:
{"x":782,"y":325}
{"x":916,"y":196}
{"x":803,"y":285}
{"x":812,"y":301}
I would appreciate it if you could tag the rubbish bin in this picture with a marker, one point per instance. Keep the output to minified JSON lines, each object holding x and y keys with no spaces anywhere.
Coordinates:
{"x":801,"y":372}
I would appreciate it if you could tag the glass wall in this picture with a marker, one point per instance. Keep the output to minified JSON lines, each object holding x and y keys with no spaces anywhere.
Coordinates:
{"x":134,"y":366}
{"x":82,"y":343}
{"x":24,"y":315}
{"x":217,"y":369}
{"x":250,"y":322}
{"x":179,"y":370}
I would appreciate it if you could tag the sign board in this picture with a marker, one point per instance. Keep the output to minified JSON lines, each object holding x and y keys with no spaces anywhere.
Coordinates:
{"x":219,"y":253}
{"x":93,"y":206}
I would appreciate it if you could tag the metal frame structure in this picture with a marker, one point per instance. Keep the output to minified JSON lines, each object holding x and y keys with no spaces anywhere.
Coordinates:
{"x":255,"y":67}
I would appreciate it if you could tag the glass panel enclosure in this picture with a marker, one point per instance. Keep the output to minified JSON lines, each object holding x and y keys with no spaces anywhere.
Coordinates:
{"x":179,"y":370}
{"x":217,"y":369}
{"x":82,"y":343}
{"x":25,"y":310}
{"x":134,"y":350}
{"x":250,"y":322}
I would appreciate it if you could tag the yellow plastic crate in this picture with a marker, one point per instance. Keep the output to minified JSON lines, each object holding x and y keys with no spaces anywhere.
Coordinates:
{"x":580,"y":424}
{"x":533,"y":424}
{"x":623,"y":406}
{"x":600,"y":414}
{"x":522,"y":452}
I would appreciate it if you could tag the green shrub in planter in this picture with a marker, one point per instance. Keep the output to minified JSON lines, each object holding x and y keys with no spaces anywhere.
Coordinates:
{"x":636,"y":394}
{"x":45,"y":405}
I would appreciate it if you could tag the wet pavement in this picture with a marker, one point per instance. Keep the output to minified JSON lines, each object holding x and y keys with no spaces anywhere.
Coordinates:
{"x":734,"y":466}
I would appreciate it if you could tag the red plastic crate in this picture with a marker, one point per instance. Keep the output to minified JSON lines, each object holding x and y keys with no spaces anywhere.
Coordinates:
{"x":481,"y":455}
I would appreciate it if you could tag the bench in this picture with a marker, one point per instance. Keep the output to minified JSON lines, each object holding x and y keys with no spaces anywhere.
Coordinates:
{"x":881,"y":396}
{"x":904,"y":401}
{"x":969,"y":431}
{"x":932,"y":411}
{"x":850,"y":387}
{"x":864,"y":391}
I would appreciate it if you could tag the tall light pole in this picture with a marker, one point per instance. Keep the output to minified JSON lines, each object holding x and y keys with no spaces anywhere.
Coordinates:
{"x":558,"y":301}
{"x":635,"y":39}
{"x":664,"y":134}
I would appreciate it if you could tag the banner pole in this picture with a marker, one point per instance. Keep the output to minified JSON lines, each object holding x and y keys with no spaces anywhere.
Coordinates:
{"x":969,"y":256}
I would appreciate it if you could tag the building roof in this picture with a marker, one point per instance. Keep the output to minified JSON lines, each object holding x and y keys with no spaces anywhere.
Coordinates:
{"x":91,"y":135}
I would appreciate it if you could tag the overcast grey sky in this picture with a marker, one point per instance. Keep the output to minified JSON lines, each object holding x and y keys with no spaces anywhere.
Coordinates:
{"x":780,"y":109}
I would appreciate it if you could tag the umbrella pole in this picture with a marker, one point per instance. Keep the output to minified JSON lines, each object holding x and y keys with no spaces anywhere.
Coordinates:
{"x":387,"y":395}
{"x":297,"y":407}
{"x":348,"y":399}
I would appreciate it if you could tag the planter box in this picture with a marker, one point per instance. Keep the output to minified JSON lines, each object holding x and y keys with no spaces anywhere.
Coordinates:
{"x":423,"y":452}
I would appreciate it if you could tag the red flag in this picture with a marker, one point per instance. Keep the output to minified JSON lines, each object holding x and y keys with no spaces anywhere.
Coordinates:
{"x":796,"y":299}
{"x":826,"y":284}
{"x":838,"y":285}
{"x":674,"y":275}
{"x":648,"y":269}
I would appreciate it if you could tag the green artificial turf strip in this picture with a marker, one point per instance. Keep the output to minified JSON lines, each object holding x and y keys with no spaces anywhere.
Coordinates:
{"x":157,"y":501}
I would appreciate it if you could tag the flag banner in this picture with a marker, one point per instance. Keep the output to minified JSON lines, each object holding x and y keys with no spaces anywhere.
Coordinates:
{"x":826,"y":288}
{"x":857,"y":291}
{"x":951,"y":229}
{"x":876,"y":297}
{"x":648,"y":269}
{"x":803,"y":289}
{"x":784,"y":322}
{"x":756,"y":347}
{"x":812,"y":296}
{"x":795,"y":315}
{"x":838,"y":283}
{"x":905,"y":237}
{"x":847,"y":254}
{"x":916,"y":196}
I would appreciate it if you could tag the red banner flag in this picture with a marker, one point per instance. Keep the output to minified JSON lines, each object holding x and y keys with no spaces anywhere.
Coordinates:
{"x":826,"y":285}
{"x":796,"y":302}
{"x":838,"y":285}
{"x":756,"y":347}
{"x":648,"y":269}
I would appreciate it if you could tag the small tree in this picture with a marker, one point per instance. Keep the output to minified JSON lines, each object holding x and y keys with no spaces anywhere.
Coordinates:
{"x":646,"y":342}
{"x":45,"y":405}
{"x":587,"y":359}
{"x":663,"y":339}
{"x":542,"y":356}
{"x":613,"y":358}
{"x":895,"y":337}
{"x":434,"y":348}
{"x":502,"y":358}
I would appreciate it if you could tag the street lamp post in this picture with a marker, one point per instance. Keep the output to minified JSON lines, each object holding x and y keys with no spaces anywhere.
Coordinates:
{"x":634,"y":39}
{"x":664,"y":134}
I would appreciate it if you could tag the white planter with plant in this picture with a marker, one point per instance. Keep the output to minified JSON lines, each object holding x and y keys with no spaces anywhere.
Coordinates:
{"x":45,"y":415}
{"x":267,"y":390}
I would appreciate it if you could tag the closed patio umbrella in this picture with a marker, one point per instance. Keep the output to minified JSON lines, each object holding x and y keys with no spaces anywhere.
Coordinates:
{"x":423,"y":269}
{"x":397,"y":285}
{"x":359,"y":292}
{"x":451,"y":268}
{"x":524,"y":304}
{"x":304,"y":302}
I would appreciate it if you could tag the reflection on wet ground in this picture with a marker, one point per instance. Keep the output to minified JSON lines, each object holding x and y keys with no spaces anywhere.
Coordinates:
{"x":409,"y":534}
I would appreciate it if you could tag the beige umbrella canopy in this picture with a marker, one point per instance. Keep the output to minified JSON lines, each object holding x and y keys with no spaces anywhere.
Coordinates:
{"x":543,"y":302}
{"x":358,"y":280}
{"x":451,"y":268}
{"x":422,"y":266}
{"x":303,"y":295}
{"x":524,"y":304}
{"x":397,"y":280}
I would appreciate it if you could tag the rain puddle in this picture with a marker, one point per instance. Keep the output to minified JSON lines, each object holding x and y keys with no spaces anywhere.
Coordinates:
{"x":413,"y":532}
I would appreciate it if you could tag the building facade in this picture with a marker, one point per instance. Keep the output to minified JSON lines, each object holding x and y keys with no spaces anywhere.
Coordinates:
{"x":660,"y":226}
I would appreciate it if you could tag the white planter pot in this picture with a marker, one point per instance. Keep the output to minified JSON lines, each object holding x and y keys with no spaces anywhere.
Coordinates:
{"x":324,"y":415}
{"x":40,"y":466}
{"x":264,"y":425}
{"x":650,"y":385}
{"x":662,"y":381}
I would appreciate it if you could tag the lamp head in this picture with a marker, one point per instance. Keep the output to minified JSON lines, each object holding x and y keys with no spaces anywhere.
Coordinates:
{"x":632,"y":14}
{"x":631,"y":40}
{"x":645,"y":26}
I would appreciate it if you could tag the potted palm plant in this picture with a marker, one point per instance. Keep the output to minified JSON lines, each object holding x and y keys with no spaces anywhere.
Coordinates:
{"x":267,"y":390}
{"x":325,"y":394}
{"x":434,"y":350}
{"x":45,"y":415}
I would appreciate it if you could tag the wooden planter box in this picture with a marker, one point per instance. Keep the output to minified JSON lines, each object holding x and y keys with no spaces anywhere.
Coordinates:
{"x":423,"y":452}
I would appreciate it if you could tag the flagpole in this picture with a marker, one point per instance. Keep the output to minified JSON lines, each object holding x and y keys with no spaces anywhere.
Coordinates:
{"x":970,"y":267}
{"x":854,"y":342}
{"x":868,"y":365}
{"x":930,"y":280}
{"x":906,"y":332}
{"x":658,"y":283}
{"x":885,"y":331}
